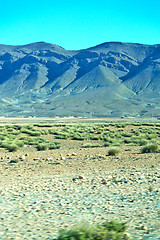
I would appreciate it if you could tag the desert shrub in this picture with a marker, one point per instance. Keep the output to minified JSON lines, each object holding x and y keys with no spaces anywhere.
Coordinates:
{"x":116,"y":142}
{"x":52,"y":131}
{"x":12,"y":147}
{"x":99,"y":131}
{"x":94,"y":137}
{"x":115,"y":226}
{"x":17,"y":127}
{"x":137,"y":133}
{"x":106,"y":144}
{"x":54,"y":145}
{"x":90,"y":145}
{"x":30,"y":126}
{"x":35,"y":133}
{"x":91,"y":131}
{"x":24,"y":130}
{"x":107,"y":139}
{"x":126,"y":134}
{"x":19,"y":143}
{"x":127,"y":140}
{"x":113,"y":151}
{"x":150,"y":148}
{"x":143,"y":142}
{"x":30,"y":140}
{"x":111,"y":135}
{"x":87,"y":136}
{"x":43,"y":125}
{"x":9,"y":129}
{"x":40,"y":143}
{"x":78,"y":137}
{"x":2,"y":137}
{"x":151,"y":136}
{"x":6,"y":143}
{"x":30,"y":131}
{"x":42,"y":146}
{"x":118,"y":125}
{"x":150,"y":189}
{"x":107,"y":231}
{"x":62,"y":136}
{"x":16,"y":132}
{"x":118,"y":136}
{"x":11,"y":137}
{"x":44,"y":132}
{"x":135,"y":139}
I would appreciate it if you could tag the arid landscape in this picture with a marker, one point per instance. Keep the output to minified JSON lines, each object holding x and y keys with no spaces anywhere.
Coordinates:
{"x":80,"y":120}
{"x":59,"y":174}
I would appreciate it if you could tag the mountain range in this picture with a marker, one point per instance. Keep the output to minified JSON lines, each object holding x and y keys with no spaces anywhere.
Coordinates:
{"x":113,"y":79}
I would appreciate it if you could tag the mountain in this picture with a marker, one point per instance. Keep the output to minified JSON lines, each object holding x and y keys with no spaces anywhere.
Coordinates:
{"x":112,"y":79}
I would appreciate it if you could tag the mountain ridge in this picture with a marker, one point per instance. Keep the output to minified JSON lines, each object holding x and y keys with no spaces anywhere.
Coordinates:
{"x":112,"y":79}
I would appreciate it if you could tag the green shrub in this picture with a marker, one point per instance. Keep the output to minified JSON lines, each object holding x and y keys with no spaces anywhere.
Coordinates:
{"x":107,"y":139}
{"x":62,"y":136}
{"x":127,"y":140}
{"x":19,"y":143}
{"x":16,"y":133}
{"x":118,"y":136}
{"x":150,"y":189}
{"x":12,"y":148}
{"x":107,"y":231}
{"x":35,"y":133}
{"x":90,"y":145}
{"x":44,"y":132}
{"x":78,"y":137}
{"x":106,"y":144}
{"x":126,"y":134}
{"x":151,"y":136}
{"x":24,"y":130}
{"x":42,"y":147}
{"x":94,"y":137}
{"x":150,"y":148}
{"x":115,"y":226}
{"x":143,"y":142}
{"x":113,"y":151}
{"x":54,"y":145}
{"x":116,"y":142}
{"x":2,"y":137}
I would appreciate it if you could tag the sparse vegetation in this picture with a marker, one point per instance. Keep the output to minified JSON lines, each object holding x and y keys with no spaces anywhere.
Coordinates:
{"x":114,"y":173}
{"x":108,"y":230}
{"x":150,"y":148}
{"x":113,"y":151}
{"x":150,"y":189}
{"x":90,"y":145}
{"x":13,"y":137}
{"x":42,"y":146}
{"x":12,"y":147}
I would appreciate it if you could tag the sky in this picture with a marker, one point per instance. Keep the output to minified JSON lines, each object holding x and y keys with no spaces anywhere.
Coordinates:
{"x":79,"y":24}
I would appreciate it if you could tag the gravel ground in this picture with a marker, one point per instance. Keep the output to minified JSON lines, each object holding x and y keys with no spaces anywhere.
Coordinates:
{"x":46,"y":191}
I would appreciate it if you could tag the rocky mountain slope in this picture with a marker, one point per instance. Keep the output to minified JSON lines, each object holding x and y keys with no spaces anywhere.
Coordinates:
{"x":108,"y":80}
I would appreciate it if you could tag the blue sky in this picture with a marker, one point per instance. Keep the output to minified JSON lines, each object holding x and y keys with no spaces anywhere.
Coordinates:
{"x":78,"y":24}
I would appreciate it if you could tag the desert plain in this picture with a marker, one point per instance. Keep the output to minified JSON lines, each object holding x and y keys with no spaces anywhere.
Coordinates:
{"x":78,"y":180}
